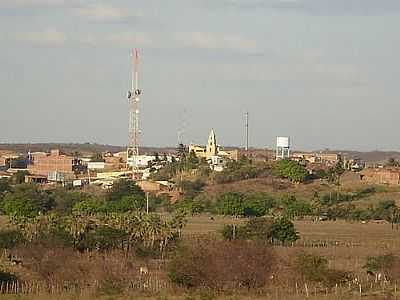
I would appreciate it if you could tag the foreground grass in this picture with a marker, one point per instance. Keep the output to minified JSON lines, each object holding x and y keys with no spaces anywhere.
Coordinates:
{"x":198,"y":296}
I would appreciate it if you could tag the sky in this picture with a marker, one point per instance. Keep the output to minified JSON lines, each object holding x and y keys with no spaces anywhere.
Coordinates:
{"x":324,"y":72}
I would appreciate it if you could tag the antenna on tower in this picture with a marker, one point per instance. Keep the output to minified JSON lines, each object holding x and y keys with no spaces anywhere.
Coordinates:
{"x":247,"y":134}
{"x":182,"y":129}
{"x":134,"y":131}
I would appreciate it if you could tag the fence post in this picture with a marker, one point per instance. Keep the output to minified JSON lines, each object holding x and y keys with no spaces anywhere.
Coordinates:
{"x":306,"y":287}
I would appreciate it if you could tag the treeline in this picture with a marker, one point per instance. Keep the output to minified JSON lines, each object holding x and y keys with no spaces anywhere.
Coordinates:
{"x":331,"y":205}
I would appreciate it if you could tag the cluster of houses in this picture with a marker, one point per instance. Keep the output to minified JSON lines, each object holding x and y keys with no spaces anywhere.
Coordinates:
{"x":57,"y":167}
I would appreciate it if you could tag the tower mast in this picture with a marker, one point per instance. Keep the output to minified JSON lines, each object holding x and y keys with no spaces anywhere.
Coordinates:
{"x":134,"y":131}
{"x":247,"y":134}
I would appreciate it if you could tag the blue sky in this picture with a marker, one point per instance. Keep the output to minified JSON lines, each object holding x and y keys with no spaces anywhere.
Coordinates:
{"x":325,"y":72}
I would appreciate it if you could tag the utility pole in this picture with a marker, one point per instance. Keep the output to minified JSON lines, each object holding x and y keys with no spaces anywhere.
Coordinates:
{"x":134,"y":131}
{"x":247,"y":134}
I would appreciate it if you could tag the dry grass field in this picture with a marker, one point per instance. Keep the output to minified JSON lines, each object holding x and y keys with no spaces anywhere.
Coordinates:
{"x":346,"y":245}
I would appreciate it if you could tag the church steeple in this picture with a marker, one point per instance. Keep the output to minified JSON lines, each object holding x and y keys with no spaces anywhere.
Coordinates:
{"x":212,"y":148}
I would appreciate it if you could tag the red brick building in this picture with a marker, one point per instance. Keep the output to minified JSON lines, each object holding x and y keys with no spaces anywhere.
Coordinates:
{"x":43,"y":164}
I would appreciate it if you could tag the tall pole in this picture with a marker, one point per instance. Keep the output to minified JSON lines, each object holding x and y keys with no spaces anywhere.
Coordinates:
{"x":247,"y":134}
{"x":134,"y":131}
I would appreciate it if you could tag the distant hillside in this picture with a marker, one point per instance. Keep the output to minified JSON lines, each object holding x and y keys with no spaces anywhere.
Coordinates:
{"x":373,"y":156}
{"x":84,"y":149}
{"x":368,"y":156}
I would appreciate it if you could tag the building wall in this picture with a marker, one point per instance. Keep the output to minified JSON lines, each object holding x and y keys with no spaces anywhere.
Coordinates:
{"x":2,"y":162}
{"x":55,"y":162}
{"x":382,"y":176}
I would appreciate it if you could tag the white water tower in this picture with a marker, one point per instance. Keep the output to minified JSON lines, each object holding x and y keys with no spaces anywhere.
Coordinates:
{"x":282,"y":147}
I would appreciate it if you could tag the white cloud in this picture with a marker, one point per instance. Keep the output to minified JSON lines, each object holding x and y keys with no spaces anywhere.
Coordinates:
{"x":116,"y":39}
{"x":103,"y":13}
{"x":46,"y":37}
{"x":127,"y":38}
{"x":33,"y":3}
{"x":212,"y":41}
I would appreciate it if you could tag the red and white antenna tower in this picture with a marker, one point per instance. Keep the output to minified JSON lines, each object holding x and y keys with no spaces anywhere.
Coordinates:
{"x":134,"y":131}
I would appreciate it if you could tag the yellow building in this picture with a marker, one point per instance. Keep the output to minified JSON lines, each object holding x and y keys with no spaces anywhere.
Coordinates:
{"x":212,"y":149}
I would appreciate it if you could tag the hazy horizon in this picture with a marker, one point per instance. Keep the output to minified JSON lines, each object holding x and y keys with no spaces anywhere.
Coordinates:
{"x":322,"y":72}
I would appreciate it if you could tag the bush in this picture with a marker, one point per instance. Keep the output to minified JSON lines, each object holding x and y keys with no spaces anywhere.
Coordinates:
{"x":4,"y":185}
{"x":26,"y":200}
{"x":257,"y":229}
{"x":240,"y":170}
{"x":64,"y":201}
{"x":123,"y":188}
{"x":231,"y":204}
{"x":10,"y":238}
{"x":295,"y":208}
{"x":387,"y":264}
{"x":283,"y":230}
{"x":292,"y":170}
{"x":258,"y":204}
{"x":125,"y":204}
{"x":103,"y":238}
{"x":315,"y":268}
{"x":221,"y":265}
{"x":7,"y":277}
{"x":192,"y":188}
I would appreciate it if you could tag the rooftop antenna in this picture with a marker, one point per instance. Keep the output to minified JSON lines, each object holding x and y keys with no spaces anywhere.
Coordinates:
{"x":134,"y":131}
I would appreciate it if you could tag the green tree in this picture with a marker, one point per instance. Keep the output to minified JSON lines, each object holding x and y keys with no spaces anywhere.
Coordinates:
{"x":125,"y":204}
{"x":258,"y":204}
{"x":295,"y":208}
{"x":257,"y":229}
{"x":123,"y":188}
{"x":64,"y":200}
{"x":26,"y":200}
{"x":231,"y":204}
{"x":4,"y":185}
{"x":103,"y":238}
{"x":292,"y":170}
{"x":283,"y":230}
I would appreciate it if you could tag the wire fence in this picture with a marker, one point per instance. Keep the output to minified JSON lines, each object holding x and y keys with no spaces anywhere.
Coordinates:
{"x":156,"y":285}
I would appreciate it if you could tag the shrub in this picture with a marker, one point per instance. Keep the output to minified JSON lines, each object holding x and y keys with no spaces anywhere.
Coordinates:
{"x":10,"y":238}
{"x":387,"y":264}
{"x":315,"y":268}
{"x":257,"y":229}
{"x":295,"y":208}
{"x":125,"y":204}
{"x":7,"y":277}
{"x":65,"y":200}
{"x":283,"y":230}
{"x":26,"y":200}
{"x":221,"y":265}
{"x":123,"y":188}
{"x":258,"y":204}
{"x":103,"y":238}
{"x":192,"y":188}
{"x":292,"y":170}
{"x":231,"y":204}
